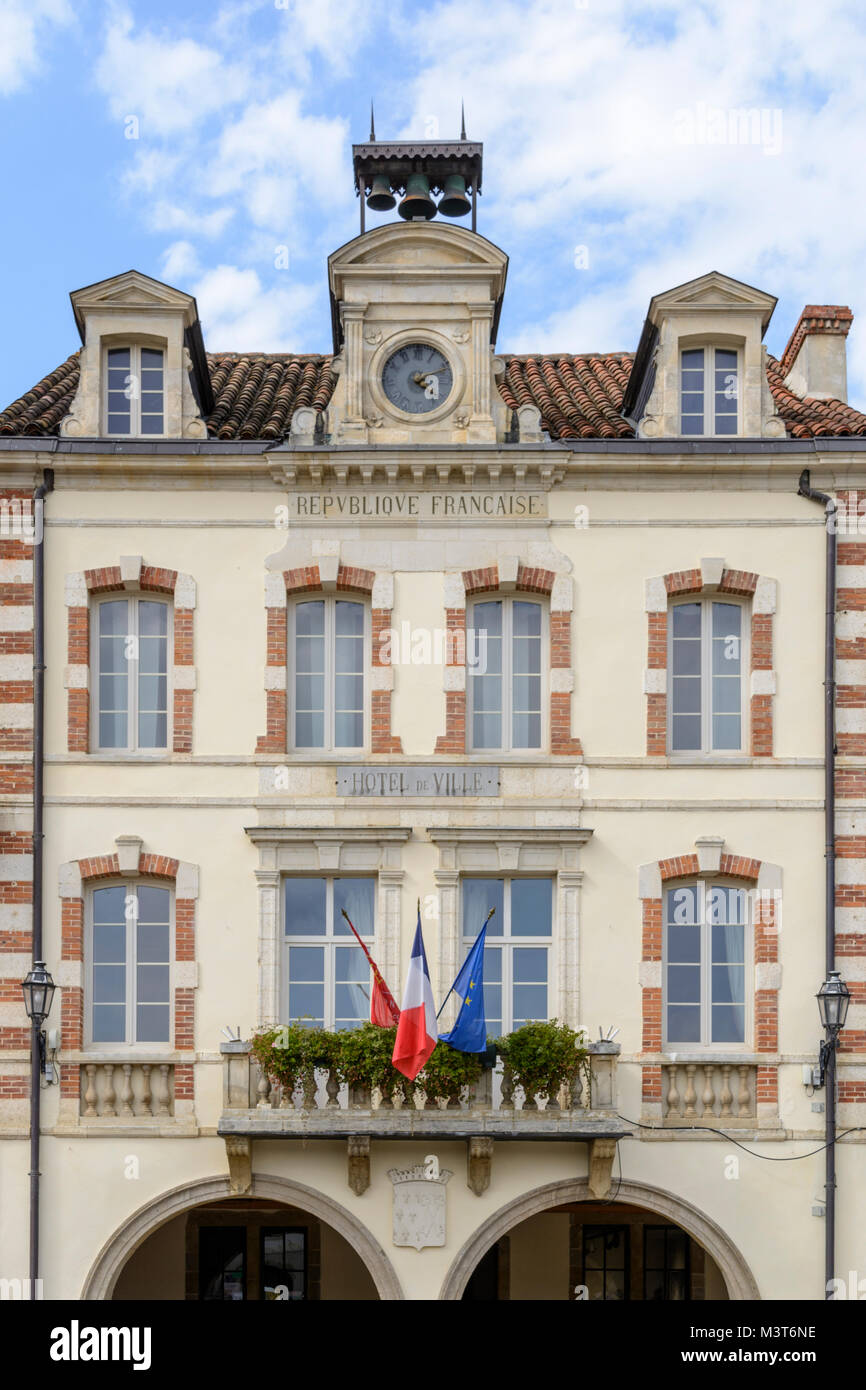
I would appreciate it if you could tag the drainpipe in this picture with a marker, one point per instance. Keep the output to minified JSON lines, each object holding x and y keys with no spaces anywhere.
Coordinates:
{"x":44,"y":487}
{"x":805,"y":489}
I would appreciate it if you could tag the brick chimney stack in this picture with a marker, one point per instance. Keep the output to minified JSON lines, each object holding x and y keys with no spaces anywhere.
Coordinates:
{"x":814,"y":362}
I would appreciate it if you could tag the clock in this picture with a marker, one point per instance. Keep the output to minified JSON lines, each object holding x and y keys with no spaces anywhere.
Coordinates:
{"x":417,"y":378}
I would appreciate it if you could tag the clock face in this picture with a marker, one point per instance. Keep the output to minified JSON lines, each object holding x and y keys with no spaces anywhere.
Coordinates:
{"x":417,"y":378}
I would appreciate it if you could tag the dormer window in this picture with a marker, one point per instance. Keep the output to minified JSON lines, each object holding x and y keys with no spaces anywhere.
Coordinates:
{"x":709,"y":391}
{"x":134,"y":390}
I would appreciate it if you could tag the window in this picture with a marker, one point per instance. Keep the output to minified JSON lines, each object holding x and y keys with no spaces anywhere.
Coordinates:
{"x":329,"y":640}
{"x":134,"y":394}
{"x":517,"y":950}
{"x":665,"y":1264}
{"x":222,"y":1264}
{"x":606,"y":1263}
{"x":709,"y":382}
{"x":706,"y":662}
{"x":503,"y":654}
{"x":327,"y":975}
{"x":284,"y":1263}
{"x":131,"y":658}
{"x":130,"y":964}
{"x":705,"y":942}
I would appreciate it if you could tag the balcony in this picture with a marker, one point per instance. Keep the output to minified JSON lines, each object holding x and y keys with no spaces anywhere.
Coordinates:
{"x":491,"y":1109}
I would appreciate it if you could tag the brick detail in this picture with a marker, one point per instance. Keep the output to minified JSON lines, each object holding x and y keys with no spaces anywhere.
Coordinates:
{"x":14,"y":1087}
{"x":153,"y":579}
{"x":184,"y":1082}
{"x":742,"y":583}
{"x":184,"y":1019}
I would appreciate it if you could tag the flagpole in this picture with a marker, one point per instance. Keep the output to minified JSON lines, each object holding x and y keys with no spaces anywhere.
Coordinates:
{"x":451,"y":990}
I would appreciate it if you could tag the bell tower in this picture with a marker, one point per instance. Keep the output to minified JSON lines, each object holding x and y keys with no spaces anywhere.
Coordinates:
{"x":416,"y":303}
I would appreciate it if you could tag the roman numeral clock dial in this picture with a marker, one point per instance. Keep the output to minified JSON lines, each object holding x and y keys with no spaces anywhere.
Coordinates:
{"x":417,"y":378}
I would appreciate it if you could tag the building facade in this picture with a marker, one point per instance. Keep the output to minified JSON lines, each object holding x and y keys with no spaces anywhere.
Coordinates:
{"x":411,"y":623}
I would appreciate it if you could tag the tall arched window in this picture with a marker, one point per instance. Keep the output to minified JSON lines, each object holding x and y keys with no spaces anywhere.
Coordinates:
{"x":505,"y":638}
{"x":329,"y":657}
{"x":706,"y":662}
{"x":131,"y":658}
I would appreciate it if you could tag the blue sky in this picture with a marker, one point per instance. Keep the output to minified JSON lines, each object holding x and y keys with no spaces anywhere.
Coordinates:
{"x":616,"y":165}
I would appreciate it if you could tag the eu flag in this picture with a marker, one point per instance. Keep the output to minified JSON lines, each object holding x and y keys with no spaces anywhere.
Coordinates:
{"x":469,"y":1033}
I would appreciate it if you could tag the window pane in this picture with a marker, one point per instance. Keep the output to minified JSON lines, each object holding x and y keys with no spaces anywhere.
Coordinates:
{"x":310,"y":618}
{"x":151,"y":984}
{"x":119,"y":424}
{"x":152,"y":730}
{"x":686,"y":733}
{"x":684,"y":1023}
{"x":109,"y":904}
{"x":112,"y":692}
{"x":530,"y":1004}
{"x":309,"y":730}
{"x":348,"y":730}
{"x":686,"y":619}
{"x":113,"y":618}
{"x":357,"y":896}
{"x":109,"y":943}
{"x":726,"y":731}
{"x":152,"y":1023}
{"x":729,"y":1023}
{"x":153,"y":903}
{"x":350,"y":619}
{"x":306,"y":985}
{"x":151,"y":358}
{"x":729,"y":984}
{"x":682,"y":905}
{"x":526,"y":619}
{"x":109,"y":984}
{"x":304,"y":907}
{"x":352,"y":987}
{"x":109,"y":1023}
{"x":686,"y":682}
{"x":487,"y":617}
{"x":684,"y":984}
{"x":684,"y":945}
{"x":531,"y":907}
{"x":152,"y":693}
{"x":152,"y":618}
{"x":152,"y":941}
{"x":118,"y":357}
{"x":479,"y":895}
{"x":487,"y":730}
{"x":486,"y":693}
{"x":526,"y":730}
{"x":310,"y":674}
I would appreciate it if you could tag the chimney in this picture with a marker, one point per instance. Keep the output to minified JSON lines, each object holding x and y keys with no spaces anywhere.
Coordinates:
{"x":814,"y":363}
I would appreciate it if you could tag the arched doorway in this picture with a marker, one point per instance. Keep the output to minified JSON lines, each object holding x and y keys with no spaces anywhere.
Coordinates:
{"x":558,"y":1242}
{"x":284,"y":1241}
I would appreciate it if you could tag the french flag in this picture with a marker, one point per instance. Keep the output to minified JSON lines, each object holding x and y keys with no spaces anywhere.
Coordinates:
{"x":417,"y":1031}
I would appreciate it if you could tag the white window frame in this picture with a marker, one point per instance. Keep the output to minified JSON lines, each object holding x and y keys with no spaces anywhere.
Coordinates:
{"x":134,"y":349}
{"x":706,"y":750}
{"x":132,"y":598}
{"x":506,"y":942}
{"x":709,"y":350}
{"x":704,"y":1046}
{"x":330,"y":601}
{"x":129,"y":885}
{"x":508,"y":601}
{"x":328,"y":940}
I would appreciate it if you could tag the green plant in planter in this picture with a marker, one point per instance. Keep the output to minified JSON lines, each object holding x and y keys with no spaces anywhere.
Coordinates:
{"x":366,"y":1054}
{"x":447,"y":1071}
{"x":544,"y":1056}
{"x":290,"y":1054}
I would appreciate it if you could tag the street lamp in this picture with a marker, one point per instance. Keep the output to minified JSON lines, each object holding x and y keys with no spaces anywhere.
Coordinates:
{"x":38,"y":990}
{"x":833,"y":1000}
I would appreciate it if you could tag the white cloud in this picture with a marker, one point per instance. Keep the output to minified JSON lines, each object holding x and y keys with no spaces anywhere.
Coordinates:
{"x":170,"y":85}
{"x":179,"y":261}
{"x":24,"y":29}
{"x":239,"y":314}
{"x":167,"y":217}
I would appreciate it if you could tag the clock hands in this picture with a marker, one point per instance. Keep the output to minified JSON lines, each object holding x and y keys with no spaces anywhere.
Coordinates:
{"x":421,"y":377}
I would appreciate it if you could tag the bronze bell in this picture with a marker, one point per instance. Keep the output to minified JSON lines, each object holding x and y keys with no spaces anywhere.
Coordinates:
{"x":416,"y":201}
{"x":380,"y":198}
{"x":454,"y":202}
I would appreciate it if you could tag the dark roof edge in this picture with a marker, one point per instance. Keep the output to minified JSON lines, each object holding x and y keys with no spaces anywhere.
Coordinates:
{"x":693,"y":448}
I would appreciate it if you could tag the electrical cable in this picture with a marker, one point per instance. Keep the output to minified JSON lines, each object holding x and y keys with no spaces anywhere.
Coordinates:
{"x":726,"y":1134}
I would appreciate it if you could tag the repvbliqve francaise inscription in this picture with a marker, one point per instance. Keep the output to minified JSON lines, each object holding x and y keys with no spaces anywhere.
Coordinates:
{"x":418,"y":781}
{"x":416,"y":506}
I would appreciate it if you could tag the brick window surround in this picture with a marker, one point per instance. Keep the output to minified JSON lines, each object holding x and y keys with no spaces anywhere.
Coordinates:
{"x":327,"y":575}
{"x":712,"y":577}
{"x":127,"y":861}
{"x":509,"y":576}
{"x":130,"y":576}
{"x":709,"y":860}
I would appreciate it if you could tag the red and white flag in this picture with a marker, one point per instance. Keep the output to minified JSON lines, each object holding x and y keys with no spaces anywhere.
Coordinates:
{"x":417,"y":1031}
{"x":383,"y":1005}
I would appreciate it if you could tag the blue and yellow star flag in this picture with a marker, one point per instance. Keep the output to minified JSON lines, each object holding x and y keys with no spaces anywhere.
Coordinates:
{"x":469,"y":1033}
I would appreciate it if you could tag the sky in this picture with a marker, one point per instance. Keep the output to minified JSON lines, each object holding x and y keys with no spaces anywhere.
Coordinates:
{"x":628,"y":147}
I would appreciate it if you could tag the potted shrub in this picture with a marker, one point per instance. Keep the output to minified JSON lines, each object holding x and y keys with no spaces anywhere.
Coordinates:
{"x":447,"y":1071}
{"x":543,"y":1057}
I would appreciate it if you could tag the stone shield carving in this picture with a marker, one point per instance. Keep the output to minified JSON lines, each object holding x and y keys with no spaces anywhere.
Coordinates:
{"x":419,"y":1206}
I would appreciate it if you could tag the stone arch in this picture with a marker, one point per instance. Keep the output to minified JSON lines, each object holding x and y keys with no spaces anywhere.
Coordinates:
{"x":738,"y":1277}
{"x":106,"y":1268}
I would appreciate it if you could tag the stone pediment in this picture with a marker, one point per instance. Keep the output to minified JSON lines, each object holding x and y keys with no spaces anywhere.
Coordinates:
{"x":710,"y":292}
{"x":131,"y":291}
{"x":407,"y":248}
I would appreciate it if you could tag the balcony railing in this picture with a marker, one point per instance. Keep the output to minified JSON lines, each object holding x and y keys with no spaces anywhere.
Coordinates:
{"x":126,"y":1090}
{"x":721,"y":1094}
{"x":254,"y":1106}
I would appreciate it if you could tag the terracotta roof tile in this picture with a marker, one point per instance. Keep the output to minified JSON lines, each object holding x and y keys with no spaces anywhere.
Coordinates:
{"x":579,"y":396}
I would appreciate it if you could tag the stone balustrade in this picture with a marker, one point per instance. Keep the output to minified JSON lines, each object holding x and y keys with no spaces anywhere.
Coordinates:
{"x":254,"y":1104}
{"x":127,"y":1090}
{"x":710,"y":1092}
